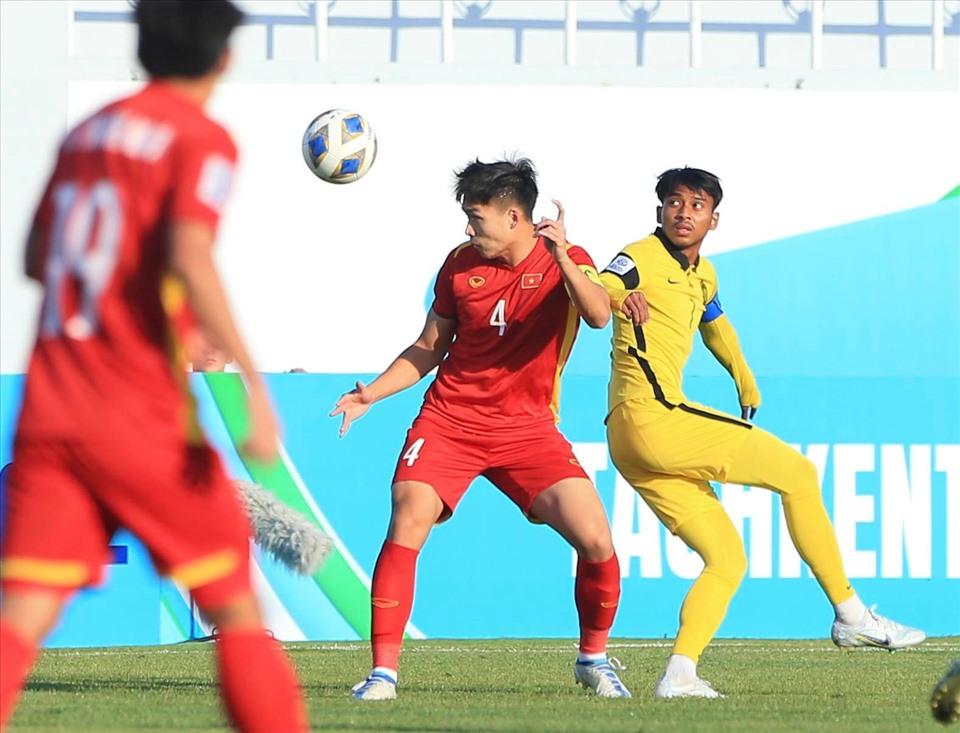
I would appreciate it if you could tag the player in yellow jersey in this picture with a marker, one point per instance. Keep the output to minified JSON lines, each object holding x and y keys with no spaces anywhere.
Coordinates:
{"x":670,"y":449}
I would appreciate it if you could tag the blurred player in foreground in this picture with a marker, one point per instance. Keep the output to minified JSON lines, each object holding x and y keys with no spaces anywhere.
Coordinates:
{"x":945,"y":698}
{"x":281,"y":531}
{"x":505,"y":313}
{"x":107,"y":436}
{"x":669,"y":449}
{"x":206,"y":356}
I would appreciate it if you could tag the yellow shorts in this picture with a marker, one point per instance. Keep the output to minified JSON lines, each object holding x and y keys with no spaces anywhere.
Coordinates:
{"x":669,"y":455}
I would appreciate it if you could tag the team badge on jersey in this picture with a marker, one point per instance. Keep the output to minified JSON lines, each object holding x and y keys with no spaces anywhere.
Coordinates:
{"x":475,"y":281}
{"x":531,"y":281}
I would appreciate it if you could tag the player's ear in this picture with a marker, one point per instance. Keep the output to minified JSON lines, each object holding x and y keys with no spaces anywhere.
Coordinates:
{"x":224,"y":61}
{"x":659,"y":215}
{"x":714,"y":220}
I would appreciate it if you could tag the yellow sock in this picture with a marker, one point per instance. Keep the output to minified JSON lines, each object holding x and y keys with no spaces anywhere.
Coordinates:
{"x":715,"y":539}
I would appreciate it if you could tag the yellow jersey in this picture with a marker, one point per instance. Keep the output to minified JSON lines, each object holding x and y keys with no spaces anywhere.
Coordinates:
{"x":648,"y":360}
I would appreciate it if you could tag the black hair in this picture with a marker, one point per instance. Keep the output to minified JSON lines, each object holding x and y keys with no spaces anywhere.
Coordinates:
{"x":513,"y":180}
{"x":693,"y":178}
{"x":184,"y":38}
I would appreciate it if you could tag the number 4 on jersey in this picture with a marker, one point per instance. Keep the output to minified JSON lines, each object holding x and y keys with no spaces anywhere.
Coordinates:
{"x":413,"y":452}
{"x":498,"y":319}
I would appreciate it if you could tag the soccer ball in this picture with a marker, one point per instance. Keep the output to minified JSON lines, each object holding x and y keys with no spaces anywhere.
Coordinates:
{"x":339,"y":146}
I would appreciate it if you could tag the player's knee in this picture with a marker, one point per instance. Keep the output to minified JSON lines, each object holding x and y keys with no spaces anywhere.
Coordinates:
{"x":416,"y":502}
{"x":805,"y":479}
{"x":415,"y":510}
{"x":33,"y":613}
{"x":229,"y":600}
{"x":410,"y":517}
{"x":595,"y":547}
{"x":736,"y":566}
{"x":239,"y":612}
{"x":587,"y":532}
{"x":729,"y":563}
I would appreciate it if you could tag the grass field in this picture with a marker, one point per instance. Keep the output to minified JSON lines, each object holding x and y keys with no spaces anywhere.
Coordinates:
{"x":504,"y":685}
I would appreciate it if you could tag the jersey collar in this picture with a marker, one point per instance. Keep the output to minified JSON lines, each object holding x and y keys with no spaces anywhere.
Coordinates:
{"x":673,"y":251}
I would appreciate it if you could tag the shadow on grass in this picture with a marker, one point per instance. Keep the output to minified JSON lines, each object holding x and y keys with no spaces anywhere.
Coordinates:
{"x":420,"y":690}
{"x":399,"y":728}
{"x":106,"y":685}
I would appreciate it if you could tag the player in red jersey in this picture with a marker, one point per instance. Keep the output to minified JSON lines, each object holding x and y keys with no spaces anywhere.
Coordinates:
{"x":107,"y":436}
{"x":506,"y":311}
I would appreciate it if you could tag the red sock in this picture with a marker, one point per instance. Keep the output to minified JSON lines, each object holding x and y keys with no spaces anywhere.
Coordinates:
{"x":259,"y":687}
{"x":391,"y":598}
{"x":597,"y":594}
{"x":16,"y":659}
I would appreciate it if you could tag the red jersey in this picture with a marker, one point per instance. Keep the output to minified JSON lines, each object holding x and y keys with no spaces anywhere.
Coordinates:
{"x":515,"y":329}
{"x":103,"y":359}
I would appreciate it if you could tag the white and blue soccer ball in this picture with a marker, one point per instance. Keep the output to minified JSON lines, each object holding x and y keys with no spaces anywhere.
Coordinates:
{"x":339,"y":146}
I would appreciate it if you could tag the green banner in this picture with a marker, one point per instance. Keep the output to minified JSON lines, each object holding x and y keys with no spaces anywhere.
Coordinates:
{"x":336,"y":578}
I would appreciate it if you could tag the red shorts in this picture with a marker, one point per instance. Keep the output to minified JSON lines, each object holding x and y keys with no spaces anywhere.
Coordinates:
{"x":66,"y":499}
{"x":522,"y":463}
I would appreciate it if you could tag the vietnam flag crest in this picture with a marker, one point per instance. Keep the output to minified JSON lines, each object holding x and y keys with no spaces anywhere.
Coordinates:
{"x":529,"y":281}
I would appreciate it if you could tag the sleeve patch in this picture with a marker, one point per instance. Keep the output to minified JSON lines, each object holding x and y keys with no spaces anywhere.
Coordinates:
{"x":215,"y":180}
{"x":591,"y":274}
{"x":625,"y":268}
{"x":713,"y":311}
{"x":621,"y":265}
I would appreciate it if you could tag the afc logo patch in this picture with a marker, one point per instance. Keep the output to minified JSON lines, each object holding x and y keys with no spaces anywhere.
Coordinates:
{"x":621,"y":265}
{"x":475,"y":281}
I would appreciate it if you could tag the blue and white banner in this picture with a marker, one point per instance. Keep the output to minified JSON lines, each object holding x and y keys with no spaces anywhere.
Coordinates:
{"x":854,"y":335}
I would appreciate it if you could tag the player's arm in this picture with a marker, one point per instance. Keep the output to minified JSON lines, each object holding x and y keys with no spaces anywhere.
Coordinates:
{"x":191,"y":258}
{"x":33,"y":255}
{"x":415,"y":362}
{"x":621,"y":282}
{"x":720,"y":337}
{"x":582,"y":283}
{"x":585,"y":291}
{"x":35,"y":252}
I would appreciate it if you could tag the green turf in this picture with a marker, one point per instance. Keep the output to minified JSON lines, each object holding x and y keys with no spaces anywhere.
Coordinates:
{"x":505,"y":685}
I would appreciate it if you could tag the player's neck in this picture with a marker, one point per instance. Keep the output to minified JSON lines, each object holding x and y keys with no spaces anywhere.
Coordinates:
{"x":520,"y":248}
{"x":197,"y":91}
{"x":692,"y":253}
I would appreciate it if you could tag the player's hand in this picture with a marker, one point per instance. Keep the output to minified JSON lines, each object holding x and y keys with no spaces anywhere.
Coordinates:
{"x":261,"y":441}
{"x":554,"y":233}
{"x":353,"y":405}
{"x":749,"y":398}
{"x":636,"y":309}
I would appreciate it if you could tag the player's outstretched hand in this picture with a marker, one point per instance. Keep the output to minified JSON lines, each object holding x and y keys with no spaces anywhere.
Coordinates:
{"x":353,"y":405}
{"x":747,"y":413}
{"x":261,"y":441}
{"x":554,"y":232}
{"x":636,"y":309}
